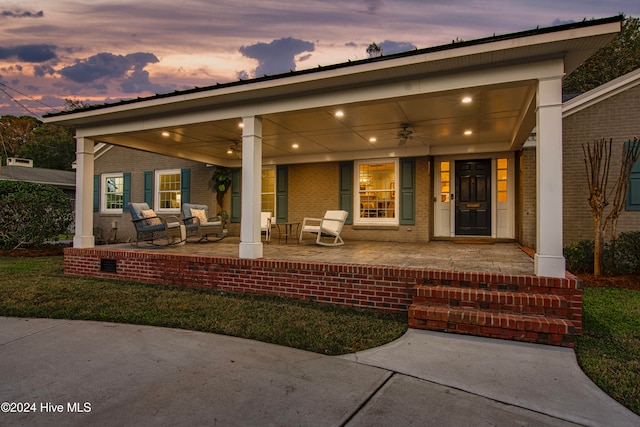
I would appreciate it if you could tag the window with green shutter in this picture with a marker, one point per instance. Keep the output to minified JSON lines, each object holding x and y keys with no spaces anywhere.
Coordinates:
{"x":633,"y":196}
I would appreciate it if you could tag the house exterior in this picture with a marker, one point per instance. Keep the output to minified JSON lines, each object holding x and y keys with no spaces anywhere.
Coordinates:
{"x":610,"y":112}
{"x":415,"y":146}
{"x":22,"y":170}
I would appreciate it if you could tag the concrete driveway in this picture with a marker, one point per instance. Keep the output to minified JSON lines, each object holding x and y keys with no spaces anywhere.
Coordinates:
{"x":77,"y":373}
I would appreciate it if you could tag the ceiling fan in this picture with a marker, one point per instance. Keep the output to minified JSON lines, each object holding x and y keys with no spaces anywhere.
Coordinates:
{"x":405,"y":134}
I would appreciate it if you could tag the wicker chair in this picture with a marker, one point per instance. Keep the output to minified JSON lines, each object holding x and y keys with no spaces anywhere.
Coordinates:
{"x":151,"y":228}
{"x":200,"y":225}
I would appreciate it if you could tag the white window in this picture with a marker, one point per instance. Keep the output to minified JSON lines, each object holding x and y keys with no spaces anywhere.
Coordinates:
{"x":112,"y":185}
{"x":268,"y":196}
{"x":376,"y":195}
{"x":167,"y":191}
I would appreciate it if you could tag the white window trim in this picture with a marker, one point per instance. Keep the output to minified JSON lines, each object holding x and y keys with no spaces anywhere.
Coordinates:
{"x":103,"y":192}
{"x":156,"y":191}
{"x":357,"y":220}
{"x":275,"y":190}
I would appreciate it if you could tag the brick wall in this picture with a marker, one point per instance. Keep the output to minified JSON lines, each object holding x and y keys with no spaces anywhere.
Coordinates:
{"x":527,"y":197}
{"x":119,"y":159}
{"x":313,"y":189}
{"x":617,"y":117}
{"x":383,"y":288}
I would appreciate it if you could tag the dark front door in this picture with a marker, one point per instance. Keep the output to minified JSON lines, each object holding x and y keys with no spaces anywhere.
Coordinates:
{"x":473,"y":198}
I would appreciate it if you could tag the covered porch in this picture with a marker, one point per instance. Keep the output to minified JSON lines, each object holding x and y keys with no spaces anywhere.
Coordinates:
{"x":469,"y":103}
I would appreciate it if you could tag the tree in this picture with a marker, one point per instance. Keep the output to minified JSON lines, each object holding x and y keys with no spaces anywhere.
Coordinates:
{"x":630,"y":155}
{"x":52,"y":147}
{"x":374,"y":50}
{"x":619,"y":57}
{"x":49,"y":146}
{"x":15,"y":132}
{"x":597,"y":159}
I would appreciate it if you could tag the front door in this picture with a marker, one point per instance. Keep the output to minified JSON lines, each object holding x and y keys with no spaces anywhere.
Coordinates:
{"x":473,"y":197}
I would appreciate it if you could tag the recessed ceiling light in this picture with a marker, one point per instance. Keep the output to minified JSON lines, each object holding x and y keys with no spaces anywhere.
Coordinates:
{"x":295,"y":146}
{"x":468,"y":132}
{"x":241,"y":125}
{"x":229,"y":150}
{"x":466,"y":99}
{"x":165,"y":134}
{"x":339,"y":113}
{"x":373,"y":139}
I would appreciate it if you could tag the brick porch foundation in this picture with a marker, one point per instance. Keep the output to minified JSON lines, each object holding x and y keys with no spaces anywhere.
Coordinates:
{"x":525,"y":308}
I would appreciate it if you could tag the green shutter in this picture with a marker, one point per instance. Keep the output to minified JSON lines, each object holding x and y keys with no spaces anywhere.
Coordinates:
{"x":126,"y":191}
{"x":407,"y":191}
{"x":148,"y":188}
{"x":185,"y":186}
{"x":282,"y":186}
{"x":633,"y":196}
{"x":346,"y":189}
{"x":96,"y":193}
{"x":236,"y":197}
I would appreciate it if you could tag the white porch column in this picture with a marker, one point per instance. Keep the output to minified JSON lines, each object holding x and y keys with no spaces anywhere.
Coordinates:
{"x":549,"y":259}
{"x":83,"y":237}
{"x":250,"y":242}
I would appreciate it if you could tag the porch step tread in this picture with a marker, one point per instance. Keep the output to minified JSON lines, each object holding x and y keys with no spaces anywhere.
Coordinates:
{"x":438,"y":317}
{"x":488,"y":299}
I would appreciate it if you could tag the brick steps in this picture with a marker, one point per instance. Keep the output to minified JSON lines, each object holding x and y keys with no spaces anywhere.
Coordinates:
{"x":496,"y":311}
{"x":519,"y":327}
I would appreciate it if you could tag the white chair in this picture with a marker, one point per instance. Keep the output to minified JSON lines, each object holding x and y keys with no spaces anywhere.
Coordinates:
{"x":265,"y":225}
{"x":328,"y":227}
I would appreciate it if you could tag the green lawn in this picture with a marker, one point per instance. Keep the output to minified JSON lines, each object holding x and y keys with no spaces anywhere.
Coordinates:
{"x":36,"y":287}
{"x":608,"y":351}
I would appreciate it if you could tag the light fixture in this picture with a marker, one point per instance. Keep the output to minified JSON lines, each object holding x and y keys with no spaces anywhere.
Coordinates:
{"x":339,"y":113}
{"x":466,"y":100}
{"x":233,"y":148}
{"x":468,"y":132}
{"x":165,"y":134}
{"x":241,"y":124}
{"x":295,"y":146}
{"x":373,"y":139}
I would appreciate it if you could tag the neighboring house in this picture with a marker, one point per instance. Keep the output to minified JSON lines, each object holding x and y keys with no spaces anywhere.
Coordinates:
{"x":416,"y":146}
{"x":23,"y":170}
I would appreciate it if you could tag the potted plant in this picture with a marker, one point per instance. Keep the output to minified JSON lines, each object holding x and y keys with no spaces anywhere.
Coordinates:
{"x":221,"y":181}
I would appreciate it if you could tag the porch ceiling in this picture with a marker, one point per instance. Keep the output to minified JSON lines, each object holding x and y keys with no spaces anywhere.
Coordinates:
{"x":438,"y":122}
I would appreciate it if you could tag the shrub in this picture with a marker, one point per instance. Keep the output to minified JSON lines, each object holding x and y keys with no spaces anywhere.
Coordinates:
{"x":32,"y":213}
{"x":579,"y":256}
{"x":627,"y":252}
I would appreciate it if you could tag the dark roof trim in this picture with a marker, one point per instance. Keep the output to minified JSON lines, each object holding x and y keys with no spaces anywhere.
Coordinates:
{"x":450,"y":46}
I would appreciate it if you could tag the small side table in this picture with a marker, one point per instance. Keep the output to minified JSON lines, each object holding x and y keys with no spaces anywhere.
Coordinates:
{"x":286,"y":230}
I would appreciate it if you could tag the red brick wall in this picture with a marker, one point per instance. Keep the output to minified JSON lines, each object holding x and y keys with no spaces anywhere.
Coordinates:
{"x":384,"y":288}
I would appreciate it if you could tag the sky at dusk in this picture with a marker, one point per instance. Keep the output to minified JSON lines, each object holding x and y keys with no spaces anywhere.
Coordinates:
{"x":99,"y":51}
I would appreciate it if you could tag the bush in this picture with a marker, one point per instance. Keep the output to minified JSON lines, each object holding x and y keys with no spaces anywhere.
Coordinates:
{"x":31,"y":213}
{"x":627,"y":253}
{"x":579,"y":256}
{"x":620,"y":257}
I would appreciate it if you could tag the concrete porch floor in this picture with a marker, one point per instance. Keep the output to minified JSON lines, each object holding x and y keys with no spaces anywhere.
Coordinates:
{"x":505,"y":258}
